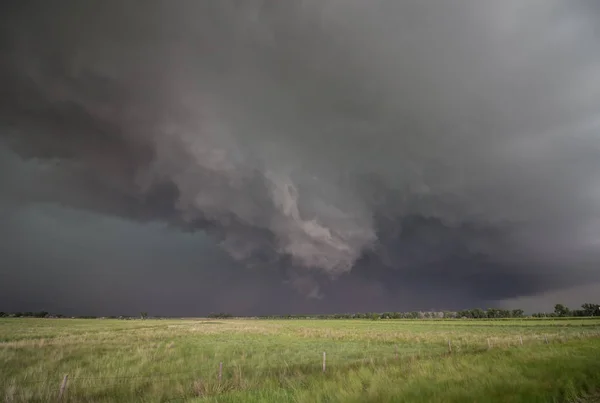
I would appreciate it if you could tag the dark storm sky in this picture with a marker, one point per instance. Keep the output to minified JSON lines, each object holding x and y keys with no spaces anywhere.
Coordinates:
{"x":183,"y":157}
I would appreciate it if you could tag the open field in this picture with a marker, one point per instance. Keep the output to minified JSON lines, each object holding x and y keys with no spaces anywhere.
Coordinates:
{"x":281,"y":361}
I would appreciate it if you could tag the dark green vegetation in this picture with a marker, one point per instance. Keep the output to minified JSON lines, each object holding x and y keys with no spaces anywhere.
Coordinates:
{"x":587,"y":310}
{"x":564,"y":312}
{"x":514,"y":360}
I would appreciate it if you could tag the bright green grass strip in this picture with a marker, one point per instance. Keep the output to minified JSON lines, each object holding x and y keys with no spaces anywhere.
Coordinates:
{"x":544,"y":373}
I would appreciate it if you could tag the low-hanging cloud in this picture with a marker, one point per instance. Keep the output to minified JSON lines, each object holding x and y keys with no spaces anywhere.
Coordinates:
{"x":325,"y":136}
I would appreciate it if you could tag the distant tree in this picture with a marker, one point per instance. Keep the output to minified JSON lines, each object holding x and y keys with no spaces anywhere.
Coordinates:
{"x":465,"y":313}
{"x":144,"y":315}
{"x":591,"y":309}
{"x":221,"y":315}
{"x":374,"y":316}
{"x":517,"y":313}
{"x":561,"y":310}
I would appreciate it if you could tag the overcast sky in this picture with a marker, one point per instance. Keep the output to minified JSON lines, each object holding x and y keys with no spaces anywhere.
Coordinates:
{"x":186,"y":157}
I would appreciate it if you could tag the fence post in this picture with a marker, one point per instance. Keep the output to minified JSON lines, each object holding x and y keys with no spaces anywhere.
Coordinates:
{"x":521,"y":339}
{"x":324,"y":361}
{"x":489,"y":343}
{"x":449,"y":346}
{"x":63,"y":387}
{"x":220,"y":371}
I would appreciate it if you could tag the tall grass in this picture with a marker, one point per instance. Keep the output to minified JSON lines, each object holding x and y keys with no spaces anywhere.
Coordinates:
{"x":280,"y":361}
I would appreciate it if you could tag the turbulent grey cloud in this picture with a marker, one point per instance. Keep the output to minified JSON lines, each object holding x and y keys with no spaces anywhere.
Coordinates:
{"x":401,"y":142}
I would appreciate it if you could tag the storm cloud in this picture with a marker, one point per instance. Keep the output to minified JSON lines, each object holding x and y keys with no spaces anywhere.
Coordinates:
{"x":352,"y":150}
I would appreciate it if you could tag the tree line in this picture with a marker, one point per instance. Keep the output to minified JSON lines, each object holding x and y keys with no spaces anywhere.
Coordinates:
{"x":560,"y":310}
{"x":45,"y":314}
{"x":587,"y":309}
{"x":563,"y":311}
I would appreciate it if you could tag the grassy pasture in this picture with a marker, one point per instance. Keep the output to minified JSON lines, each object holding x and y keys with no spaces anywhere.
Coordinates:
{"x":281,"y":360}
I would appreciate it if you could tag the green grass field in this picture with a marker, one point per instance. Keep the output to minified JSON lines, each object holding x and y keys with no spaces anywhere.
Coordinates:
{"x":282,"y":361}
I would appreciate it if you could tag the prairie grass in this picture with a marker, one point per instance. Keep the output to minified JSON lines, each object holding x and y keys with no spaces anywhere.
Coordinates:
{"x":281,"y":360}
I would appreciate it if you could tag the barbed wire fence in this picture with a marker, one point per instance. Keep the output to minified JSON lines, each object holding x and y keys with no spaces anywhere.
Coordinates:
{"x":199,"y":382}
